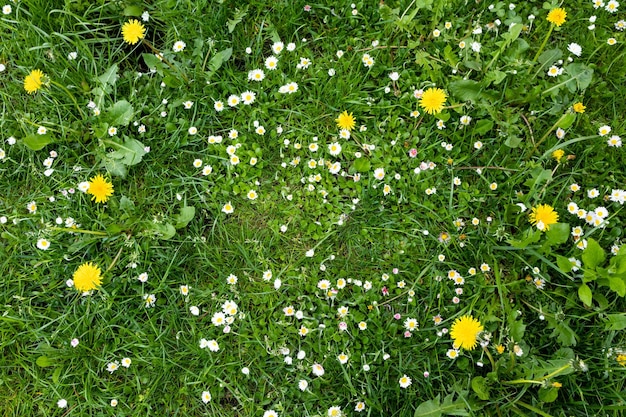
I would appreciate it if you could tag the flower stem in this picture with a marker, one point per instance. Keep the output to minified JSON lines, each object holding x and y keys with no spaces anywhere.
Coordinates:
{"x":62,"y":87}
{"x":72,"y":230}
{"x":543,"y":45}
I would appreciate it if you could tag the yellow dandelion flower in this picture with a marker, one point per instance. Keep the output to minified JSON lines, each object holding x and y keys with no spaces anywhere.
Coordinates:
{"x":465,"y":331}
{"x":558,"y":154}
{"x":100,"y":189}
{"x":500,"y":349}
{"x":621,"y":359}
{"x":557,"y":16}
{"x":579,"y":107}
{"x":87,"y":277}
{"x":345,"y":121}
{"x":34,"y":81}
{"x":432,"y":100}
{"x":543,"y":216}
{"x":133,"y":31}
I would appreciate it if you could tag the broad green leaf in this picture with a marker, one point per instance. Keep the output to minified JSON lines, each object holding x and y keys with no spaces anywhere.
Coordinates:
{"x":44,"y":361}
{"x":151,"y":60}
{"x":582,"y":76}
{"x":466,"y":90}
{"x":36,"y":142}
{"x":564,"y":264}
{"x":480,"y":387}
{"x":558,"y":233}
{"x":513,"y":141}
{"x":550,"y":56}
{"x":127,"y":204}
{"x":517,"y":329}
{"x":615,"y":321}
{"x":593,"y":255}
{"x":133,"y":10}
{"x":362,"y":165}
{"x":114,"y":166}
{"x":434,"y":408}
{"x":162,"y":231}
{"x":185,"y":216}
{"x":567,"y":120}
{"x":110,"y":75}
{"x":217,"y":60}
{"x":172,"y":81}
{"x":483,"y":126}
{"x":618,"y":285}
{"x":548,"y":395}
{"x":585,"y":295}
{"x":129,"y":153}
{"x":120,"y":114}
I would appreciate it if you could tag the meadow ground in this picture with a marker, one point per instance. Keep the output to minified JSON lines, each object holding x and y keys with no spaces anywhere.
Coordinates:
{"x":279,"y":208}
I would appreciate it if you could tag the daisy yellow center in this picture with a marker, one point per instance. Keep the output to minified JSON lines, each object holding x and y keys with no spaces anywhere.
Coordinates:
{"x":133,"y":31}
{"x":432,"y":100}
{"x":345,"y":121}
{"x":87,"y":277}
{"x":33,"y":81}
{"x":100,"y":189}
{"x":557,"y":16}
{"x":465,"y":331}
{"x":545,"y":214}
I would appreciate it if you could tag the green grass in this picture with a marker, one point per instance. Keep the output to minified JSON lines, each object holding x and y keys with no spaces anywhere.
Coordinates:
{"x":386,"y":253}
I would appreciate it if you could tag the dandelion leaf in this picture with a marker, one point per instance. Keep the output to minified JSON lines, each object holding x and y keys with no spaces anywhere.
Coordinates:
{"x":120,"y":114}
{"x":110,"y":76}
{"x":435,"y":408}
{"x":615,"y":321}
{"x":581,"y":77}
{"x":558,"y":234}
{"x":185,"y":216}
{"x":217,"y":60}
{"x":480,"y":387}
{"x":133,"y":10}
{"x":37,"y":142}
{"x":548,"y":395}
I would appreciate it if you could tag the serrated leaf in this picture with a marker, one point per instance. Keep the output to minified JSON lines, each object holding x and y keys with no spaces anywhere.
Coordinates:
{"x":120,"y":114}
{"x":110,"y":75}
{"x":162,"y":231}
{"x":44,"y":362}
{"x":36,"y":142}
{"x":593,"y":255}
{"x":434,"y":408}
{"x":185,"y":216}
{"x":127,"y":204}
{"x":585,"y":295}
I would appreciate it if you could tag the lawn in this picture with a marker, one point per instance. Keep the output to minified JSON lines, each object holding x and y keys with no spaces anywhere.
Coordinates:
{"x":277,"y":208}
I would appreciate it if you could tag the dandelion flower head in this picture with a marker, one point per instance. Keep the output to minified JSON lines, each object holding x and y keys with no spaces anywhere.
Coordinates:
{"x":133,"y":31}
{"x":345,"y":121}
{"x":432,"y":100}
{"x":100,"y":189}
{"x":34,"y":81}
{"x":557,"y":16}
{"x":543,"y":216}
{"x":87,"y":277}
{"x":465,"y":331}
